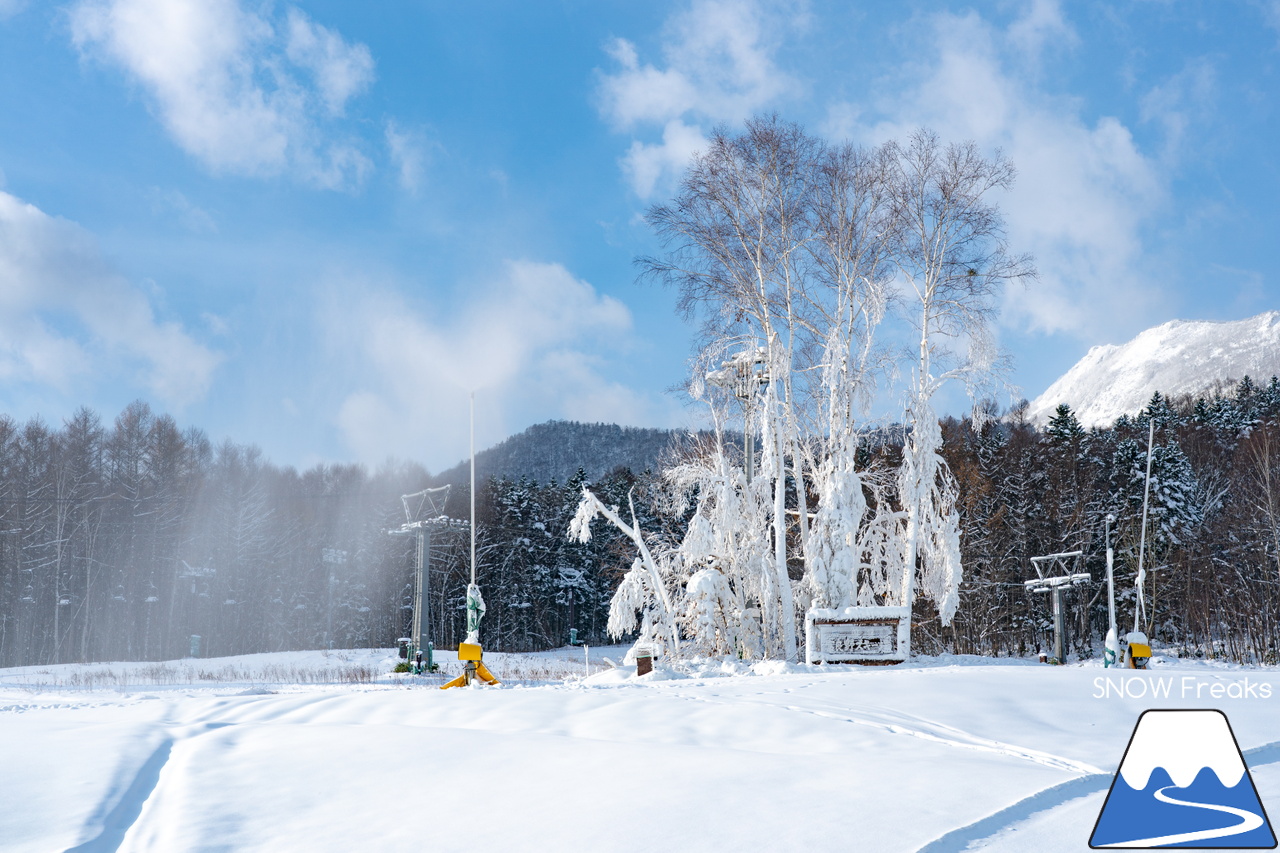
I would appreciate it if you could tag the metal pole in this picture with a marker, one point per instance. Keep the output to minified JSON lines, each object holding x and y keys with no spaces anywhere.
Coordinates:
{"x":1111,"y":577}
{"x":473,"y":487}
{"x":1059,"y":626}
{"x":1142,"y":538}
{"x":424,"y":573}
{"x":418,"y":597}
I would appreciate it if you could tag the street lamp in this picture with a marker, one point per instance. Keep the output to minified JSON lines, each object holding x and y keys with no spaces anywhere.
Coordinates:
{"x":744,"y":375}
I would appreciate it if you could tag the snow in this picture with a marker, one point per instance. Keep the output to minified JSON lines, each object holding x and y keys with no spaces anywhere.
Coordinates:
{"x":1178,"y":357}
{"x":939,"y":754}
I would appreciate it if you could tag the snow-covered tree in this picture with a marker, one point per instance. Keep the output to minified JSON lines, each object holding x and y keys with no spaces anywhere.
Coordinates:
{"x":645,"y":588}
{"x":951,"y":254}
{"x":787,"y":248}
{"x":724,"y":556}
{"x":1064,"y":427}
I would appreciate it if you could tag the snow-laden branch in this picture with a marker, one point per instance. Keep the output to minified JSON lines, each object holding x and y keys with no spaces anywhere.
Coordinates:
{"x":633,"y":596}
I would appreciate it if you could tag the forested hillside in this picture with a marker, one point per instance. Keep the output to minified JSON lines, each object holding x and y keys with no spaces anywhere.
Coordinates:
{"x":556,"y":450}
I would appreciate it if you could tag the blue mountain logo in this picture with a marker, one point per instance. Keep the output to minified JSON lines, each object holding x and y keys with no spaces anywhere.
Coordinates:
{"x":1183,"y":783}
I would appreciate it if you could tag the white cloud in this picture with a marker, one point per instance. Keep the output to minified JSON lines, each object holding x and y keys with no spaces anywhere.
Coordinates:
{"x":593,"y":398}
{"x":1085,"y":190}
{"x":224,"y":83}
{"x":1270,"y":13}
{"x":636,"y":95}
{"x":340,"y":70}
{"x":217,"y":326}
{"x":525,"y":343}
{"x":9,"y":8}
{"x":1041,"y":25}
{"x":174,"y":203}
{"x":1184,"y":100}
{"x":649,"y":165}
{"x":67,"y":317}
{"x":718,"y":66}
{"x":410,"y":152}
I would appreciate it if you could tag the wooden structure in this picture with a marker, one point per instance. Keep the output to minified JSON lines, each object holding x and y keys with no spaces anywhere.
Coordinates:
{"x":862,"y":635}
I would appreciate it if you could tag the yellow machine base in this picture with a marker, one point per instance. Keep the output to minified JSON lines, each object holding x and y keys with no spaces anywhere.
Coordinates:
{"x":1138,"y":656}
{"x":470,"y":653}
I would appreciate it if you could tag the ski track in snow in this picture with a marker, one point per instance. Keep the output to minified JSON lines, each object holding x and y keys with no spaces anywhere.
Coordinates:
{"x":122,"y":809}
{"x":901,"y":723}
{"x":965,"y":837}
{"x":124,"y":814}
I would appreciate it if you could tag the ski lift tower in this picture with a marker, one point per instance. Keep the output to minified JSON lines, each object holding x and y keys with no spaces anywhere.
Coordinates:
{"x":1057,"y":586}
{"x":744,"y":375}
{"x":424,"y":512}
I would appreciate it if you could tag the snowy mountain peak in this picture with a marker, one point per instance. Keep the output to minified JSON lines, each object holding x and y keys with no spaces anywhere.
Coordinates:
{"x":1175,"y":358}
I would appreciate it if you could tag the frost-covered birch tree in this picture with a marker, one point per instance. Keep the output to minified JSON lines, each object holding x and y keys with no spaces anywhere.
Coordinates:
{"x":775,"y":242}
{"x":645,"y":588}
{"x":736,"y":239}
{"x":790,"y":250}
{"x":852,"y":546}
{"x":725,"y":556}
{"x":952,"y":259}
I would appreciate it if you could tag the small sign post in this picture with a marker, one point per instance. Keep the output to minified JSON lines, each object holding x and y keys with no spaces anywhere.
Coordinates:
{"x":862,"y":635}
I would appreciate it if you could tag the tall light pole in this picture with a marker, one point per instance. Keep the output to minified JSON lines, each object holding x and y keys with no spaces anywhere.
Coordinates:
{"x":475,"y":601}
{"x":744,"y":375}
{"x":473,"y":488}
{"x":470,"y":651}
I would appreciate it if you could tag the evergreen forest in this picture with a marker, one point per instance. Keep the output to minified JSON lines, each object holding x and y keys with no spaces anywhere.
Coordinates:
{"x":123,"y":540}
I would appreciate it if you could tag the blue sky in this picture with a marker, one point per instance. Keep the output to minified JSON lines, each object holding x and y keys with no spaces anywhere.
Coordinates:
{"x":316,"y":226}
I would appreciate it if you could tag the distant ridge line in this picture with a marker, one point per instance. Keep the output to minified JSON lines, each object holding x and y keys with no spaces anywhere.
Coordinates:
{"x":1177,"y":358}
{"x":556,"y":449}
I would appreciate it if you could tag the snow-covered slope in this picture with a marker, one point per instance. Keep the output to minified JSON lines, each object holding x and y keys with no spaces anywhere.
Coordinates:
{"x":1179,"y":357}
{"x":933,"y":756}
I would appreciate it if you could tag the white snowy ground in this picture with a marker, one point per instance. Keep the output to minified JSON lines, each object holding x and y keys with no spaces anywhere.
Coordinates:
{"x":941,"y":754}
